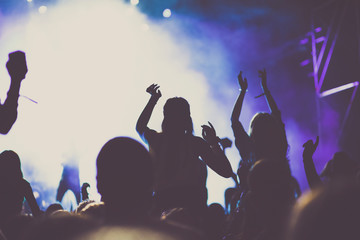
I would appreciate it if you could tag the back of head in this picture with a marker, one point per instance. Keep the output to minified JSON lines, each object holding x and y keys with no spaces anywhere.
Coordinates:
{"x":340,"y":166}
{"x":328,"y":213}
{"x":124,"y":174}
{"x":11,"y":192}
{"x":59,"y":227}
{"x":10,"y":166}
{"x":268,"y":137}
{"x":270,"y":187}
{"x":177,"y":118}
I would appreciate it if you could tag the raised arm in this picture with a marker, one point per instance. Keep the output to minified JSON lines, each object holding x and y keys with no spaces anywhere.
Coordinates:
{"x":242,"y":140}
{"x":17,"y":69}
{"x":144,"y":117}
{"x":310,"y":171}
{"x":269,"y":98}
{"x":239,"y":102}
{"x":212,"y":154}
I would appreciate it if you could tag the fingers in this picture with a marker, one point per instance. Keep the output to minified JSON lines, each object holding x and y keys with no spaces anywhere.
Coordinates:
{"x":205,"y":127}
{"x":153,"y":88}
{"x":240,"y":78}
{"x":245,"y":80}
{"x":211,"y":125}
{"x":316,"y":142}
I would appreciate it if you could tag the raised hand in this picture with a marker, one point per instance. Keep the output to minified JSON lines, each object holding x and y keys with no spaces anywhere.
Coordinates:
{"x":209,"y":134}
{"x":154,"y":91}
{"x":16,"y":65}
{"x":242,"y":82}
{"x":310,"y":148}
{"x":262,"y":75}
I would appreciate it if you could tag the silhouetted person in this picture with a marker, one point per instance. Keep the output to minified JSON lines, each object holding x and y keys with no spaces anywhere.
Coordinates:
{"x":84,"y":191}
{"x":340,"y":167}
{"x":60,"y":227}
{"x":215,"y":222}
{"x":269,"y":200}
{"x":17,"y":69}
{"x":179,"y":175}
{"x":14,"y":188}
{"x":124,"y":180}
{"x":53,"y":208}
{"x":331,"y":212}
{"x":267,"y":138}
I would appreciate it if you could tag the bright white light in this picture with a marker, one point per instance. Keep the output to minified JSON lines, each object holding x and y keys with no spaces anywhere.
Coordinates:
{"x":29,"y":1}
{"x":167,"y":13}
{"x":134,"y":2}
{"x":42,"y":9}
{"x":88,"y":72}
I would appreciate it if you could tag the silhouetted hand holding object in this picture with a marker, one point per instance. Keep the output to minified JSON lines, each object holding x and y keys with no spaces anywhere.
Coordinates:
{"x":310,"y":148}
{"x":154,"y":91}
{"x":242,"y":82}
{"x":262,"y":75}
{"x":16,"y":65}
{"x":209,"y":134}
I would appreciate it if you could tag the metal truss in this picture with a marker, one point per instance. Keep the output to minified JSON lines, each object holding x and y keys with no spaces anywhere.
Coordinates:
{"x":322,"y":48}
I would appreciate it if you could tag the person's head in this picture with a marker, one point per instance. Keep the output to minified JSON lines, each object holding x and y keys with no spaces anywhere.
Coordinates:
{"x":331,"y":212}
{"x":11,"y":190}
{"x":10,"y":166}
{"x":177,"y":118}
{"x":339,"y":167}
{"x":124,"y":175}
{"x":53,"y":208}
{"x":270,"y":188}
{"x":268,"y":137}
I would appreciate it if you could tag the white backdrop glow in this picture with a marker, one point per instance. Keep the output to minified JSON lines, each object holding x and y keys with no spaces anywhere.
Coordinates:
{"x":90,"y":62}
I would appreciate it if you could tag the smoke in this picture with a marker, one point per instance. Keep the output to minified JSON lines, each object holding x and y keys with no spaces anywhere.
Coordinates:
{"x":89,"y":65}
{"x":90,"y":62}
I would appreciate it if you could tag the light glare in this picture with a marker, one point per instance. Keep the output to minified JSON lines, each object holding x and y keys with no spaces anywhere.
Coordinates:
{"x":134,"y":2}
{"x":42,"y":9}
{"x":167,"y":13}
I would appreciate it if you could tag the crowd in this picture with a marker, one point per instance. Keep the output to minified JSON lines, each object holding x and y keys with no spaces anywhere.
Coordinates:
{"x":161,"y":193}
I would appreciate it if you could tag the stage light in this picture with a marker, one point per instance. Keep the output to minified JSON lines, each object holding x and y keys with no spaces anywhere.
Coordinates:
{"x":134,"y":2}
{"x":339,"y":89}
{"x":167,"y":13}
{"x":305,"y":62}
{"x":42,"y":9}
{"x":304,"y":41}
{"x":29,"y":1}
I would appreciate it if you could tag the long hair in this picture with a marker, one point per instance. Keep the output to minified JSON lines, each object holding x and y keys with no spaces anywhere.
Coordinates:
{"x":177,"y":118}
{"x":268,"y":136}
